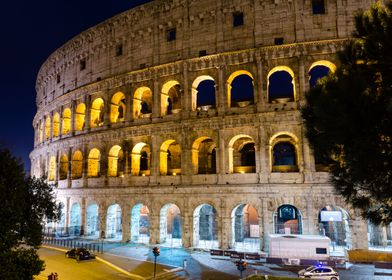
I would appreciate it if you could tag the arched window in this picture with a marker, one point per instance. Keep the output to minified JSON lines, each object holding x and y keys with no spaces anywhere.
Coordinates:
{"x":93,"y":163}
{"x":205,"y":227}
{"x":63,"y":167}
{"x":171,"y":98}
{"x":142,"y":103}
{"x":320,"y":69}
{"x":203,"y":93}
{"x":80,"y":117}
{"x":97,"y":113}
{"x":77,"y":165}
{"x":240,"y":89}
{"x":141,"y":159}
{"x":281,"y":87}
{"x":47,"y":128}
{"x":140,"y":224}
{"x":56,"y":125}
{"x":117,"y":108}
{"x":170,"y":225}
{"x":52,"y":169}
{"x":170,"y":158}
{"x":204,"y":156}
{"x":288,"y":220}
{"x":66,"y":125}
{"x":115,"y":162}
{"x":245,"y":228}
{"x":284,"y":154}
{"x":242,"y":154}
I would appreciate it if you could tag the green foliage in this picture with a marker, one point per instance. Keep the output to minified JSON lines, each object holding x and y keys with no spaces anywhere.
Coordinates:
{"x":348,"y":116}
{"x":25,"y":203}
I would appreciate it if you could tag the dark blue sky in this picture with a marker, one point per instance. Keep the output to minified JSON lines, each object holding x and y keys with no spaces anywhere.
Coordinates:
{"x":30,"y":31}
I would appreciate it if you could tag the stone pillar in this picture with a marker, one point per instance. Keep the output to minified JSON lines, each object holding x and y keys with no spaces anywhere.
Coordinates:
{"x":61,"y":117}
{"x":126,"y":222}
{"x":102,"y":220}
{"x":263,"y":156}
{"x":260,"y":98}
{"x":310,"y":222}
{"x":156,"y":112}
{"x":267,"y":224}
{"x":303,"y":86}
{"x":51,"y":127}
{"x":359,"y":233}
{"x":187,"y":227}
{"x":73,"y":117}
{"x":154,"y":228}
{"x":85,"y":166}
{"x":107,"y":109}
{"x":67,"y":214}
{"x":128,"y":117}
{"x":225,"y":235}
{"x":87,"y":102}
{"x":221,"y":91}
{"x":69,"y":173}
{"x":83,"y":214}
{"x":186,"y":95}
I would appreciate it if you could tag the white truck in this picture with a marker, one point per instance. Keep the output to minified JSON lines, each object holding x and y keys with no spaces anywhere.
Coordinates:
{"x":298,"y":246}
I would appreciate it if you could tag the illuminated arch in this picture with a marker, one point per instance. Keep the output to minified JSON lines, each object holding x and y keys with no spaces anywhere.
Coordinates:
{"x":115,"y":162}
{"x":93,"y":163}
{"x":63,"y":172}
{"x":230,"y":80}
{"x":47,"y":128}
{"x":80,"y":116}
{"x":52,"y":169}
{"x":242,"y":154}
{"x":113,"y":222}
{"x":284,"y":153}
{"x":170,"y":158}
{"x":318,"y":70}
{"x":171,"y":98}
{"x":288,"y":220}
{"x":97,"y":112}
{"x":208,"y":100}
{"x":283,"y":82}
{"x":77,"y":165}
{"x":204,"y":156}
{"x":170,"y":225}
{"x":205,"y":227}
{"x":66,"y":125}
{"x":92,"y":224}
{"x":141,"y":160}
{"x":117,"y":108}
{"x":56,"y":124}
{"x":142,"y":102}
{"x":140,"y":224}
{"x":75,"y":221}
{"x":245,"y":228}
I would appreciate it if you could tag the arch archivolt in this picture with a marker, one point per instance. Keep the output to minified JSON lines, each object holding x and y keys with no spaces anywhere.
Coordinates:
{"x":330,"y":65}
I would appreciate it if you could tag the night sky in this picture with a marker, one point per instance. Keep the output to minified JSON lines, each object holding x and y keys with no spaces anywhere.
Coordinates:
{"x":30,"y":31}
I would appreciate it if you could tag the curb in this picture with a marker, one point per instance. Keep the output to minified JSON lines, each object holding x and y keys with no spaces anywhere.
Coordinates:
{"x":134,"y":276}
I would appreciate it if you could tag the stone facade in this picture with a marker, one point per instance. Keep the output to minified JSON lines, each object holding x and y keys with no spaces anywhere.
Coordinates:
{"x":119,"y":121}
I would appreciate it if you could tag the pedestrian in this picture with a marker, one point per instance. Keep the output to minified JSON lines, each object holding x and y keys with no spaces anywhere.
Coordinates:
{"x":56,"y":277}
{"x":184,"y":263}
{"x":51,"y":276}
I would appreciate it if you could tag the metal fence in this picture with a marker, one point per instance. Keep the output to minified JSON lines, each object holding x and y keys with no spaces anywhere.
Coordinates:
{"x":69,"y":243}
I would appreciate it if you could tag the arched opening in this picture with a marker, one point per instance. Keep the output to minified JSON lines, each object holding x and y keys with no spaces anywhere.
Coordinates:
{"x":334,"y":223}
{"x":203,"y":93}
{"x":288,"y":220}
{"x":140,"y":224}
{"x":56,"y":125}
{"x":320,"y":69}
{"x":142,"y":103}
{"x":75,"y":220}
{"x":93,"y":166}
{"x":281,"y":86}
{"x":205,"y":227}
{"x":47,"y":128}
{"x":170,"y":226}
{"x":240,"y":91}
{"x":63,"y":172}
{"x":77,"y":165}
{"x":170,"y":158}
{"x":41,"y":132}
{"x":97,"y":113}
{"x":204,"y":156}
{"x":117,"y":108}
{"x":116,"y":162}
{"x":242,"y":155}
{"x":113,"y":223}
{"x":66,"y":125}
{"x":284,"y":155}
{"x":92,"y":224}
{"x":80,"y":116}
{"x":245,"y":228}
{"x":140,"y":165}
{"x":52,"y":169}
{"x":171,"y":98}
{"x":60,"y":228}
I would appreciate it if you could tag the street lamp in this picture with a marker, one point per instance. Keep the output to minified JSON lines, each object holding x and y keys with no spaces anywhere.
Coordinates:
{"x":156,"y":253}
{"x":241,"y":266}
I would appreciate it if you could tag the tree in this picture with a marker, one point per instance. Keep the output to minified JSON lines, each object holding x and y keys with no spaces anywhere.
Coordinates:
{"x":348,"y":117}
{"x":25,"y":202}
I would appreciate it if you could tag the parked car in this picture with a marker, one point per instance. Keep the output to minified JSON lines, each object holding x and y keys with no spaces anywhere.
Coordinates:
{"x":79,"y":254}
{"x":319,"y":272}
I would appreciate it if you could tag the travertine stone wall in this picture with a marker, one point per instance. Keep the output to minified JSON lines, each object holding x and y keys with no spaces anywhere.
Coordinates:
{"x":148,"y":59}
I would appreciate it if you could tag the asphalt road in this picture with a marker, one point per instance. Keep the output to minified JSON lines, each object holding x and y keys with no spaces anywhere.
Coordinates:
{"x":69,"y":269}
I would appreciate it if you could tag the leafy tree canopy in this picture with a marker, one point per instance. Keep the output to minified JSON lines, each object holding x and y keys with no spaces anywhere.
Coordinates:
{"x":348,"y":116}
{"x":25,"y":202}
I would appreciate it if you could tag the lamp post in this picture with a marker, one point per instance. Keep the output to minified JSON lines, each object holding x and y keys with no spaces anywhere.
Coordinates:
{"x":156,"y":253}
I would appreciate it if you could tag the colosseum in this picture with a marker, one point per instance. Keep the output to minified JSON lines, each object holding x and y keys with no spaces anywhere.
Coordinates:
{"x":177,"y":123}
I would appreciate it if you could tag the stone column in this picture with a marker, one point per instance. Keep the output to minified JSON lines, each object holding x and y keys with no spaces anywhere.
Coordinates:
{"x":226,"y":234}
{"x":260,"y":98}
{"x":154,"y":228}
{"x":263,"y":156}
{"x":156,"y":112}
{"x":221,"y":91}
{"x":186,"y":93}
{"x":128,"y":104}
{"x":154,"y":164}
{"x":106,"y":114}
{"x":186,"y":218}
{"x":83,"y":217}
{"x":303,"y":86}
{"x":69,"y":173}
{"x":61,"y":117}
{"x":102,"y":220}
{"x":359,"y":233}
{"x":67,"y":213}
{"x":267,"y":224}
{"x":73,"y":117}
{"x":87,"y":102}
{"x":126,"y":222}
{"x":85,"y":166}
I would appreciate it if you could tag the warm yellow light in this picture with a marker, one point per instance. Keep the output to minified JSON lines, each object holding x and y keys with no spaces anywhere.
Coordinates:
{"x":174,"y":173}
